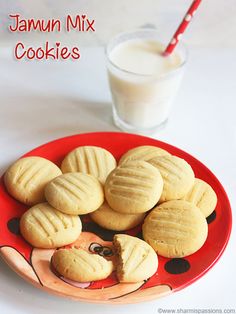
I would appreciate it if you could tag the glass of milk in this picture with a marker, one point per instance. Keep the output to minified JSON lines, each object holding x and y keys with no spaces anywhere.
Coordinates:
{"x":143,"y":82}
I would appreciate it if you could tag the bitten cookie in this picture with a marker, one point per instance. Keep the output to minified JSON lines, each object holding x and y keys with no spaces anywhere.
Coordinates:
{"x":25,"y":180}
{"x":203,"y":196}
{"x":175,"y":229}
{"x":45,"y":227}
{"x":137,"y":260}
{"x":108,"y":218}
{"x":143,"y":153}
{"x":133,"y":187}
{"x":177,"y":175}
{"x":79,"y":265}
{"x":92,"y":160}
{"x":75,"y":193}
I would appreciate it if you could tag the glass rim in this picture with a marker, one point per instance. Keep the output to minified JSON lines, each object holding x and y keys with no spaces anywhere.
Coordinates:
{"x":147,"y":30}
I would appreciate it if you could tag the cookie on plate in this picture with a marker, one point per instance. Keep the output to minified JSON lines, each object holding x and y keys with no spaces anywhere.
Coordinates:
{"x":175,"y":229}
{"x":25,"y":180}
{"x":79,"y":265}
{"x":137,"y":260}
{"x":145,"y":153}
{"x":45,"y":227}
{"x":133,"y":187}
{"x":177,"y":175}
{"x":75,"y":193}
{"x":108,"y":218}
{"x":93,"y":160}
{"x":203,"y":196}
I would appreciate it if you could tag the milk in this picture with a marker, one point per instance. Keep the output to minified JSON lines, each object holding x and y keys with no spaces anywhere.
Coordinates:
{"x":143,"y":82}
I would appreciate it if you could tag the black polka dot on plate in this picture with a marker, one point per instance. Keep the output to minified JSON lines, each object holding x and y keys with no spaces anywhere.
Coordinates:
{"x":140,"y":235}
{"x":212,"y":217}
{"x":13,"y":225}
{"x":177,"y":266}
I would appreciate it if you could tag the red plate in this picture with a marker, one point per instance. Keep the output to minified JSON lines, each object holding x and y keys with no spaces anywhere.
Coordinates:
{"x":172,"y":275}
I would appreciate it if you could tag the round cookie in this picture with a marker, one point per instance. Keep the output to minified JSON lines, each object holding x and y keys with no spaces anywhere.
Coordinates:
{"x":25,"y":180}
{"x":75,"y":193}
{"x":108,"y":218}
{"x":133,"y":187}
{"x":81,"y":266}
{"x":175,"y":229}
{"x":92,"y":160}
{"x":137,"y":260}
{"x":45,"y":227}
{"x":145,"y":153}
{"x":203,"y":196}
{"x":177,"y":175}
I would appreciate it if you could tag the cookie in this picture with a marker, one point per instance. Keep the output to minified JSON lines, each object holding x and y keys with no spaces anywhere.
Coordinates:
{"x":45,"y":227}
{"x":108,"y":218}
{"x":137,"y":260}
{"x":92,"y":160}
{"x":177,"y":175}
{"x":133,"y":187}
{"x":175,"y":229}
{"x":79,"y":265}
{"x":75,"y":193}
{"x":203,"y":196}
{"x":25,"y":180}
{"x":143,"y":153}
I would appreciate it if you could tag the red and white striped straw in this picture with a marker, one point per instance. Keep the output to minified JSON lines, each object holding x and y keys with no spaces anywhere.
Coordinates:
{"x":183,"y":25}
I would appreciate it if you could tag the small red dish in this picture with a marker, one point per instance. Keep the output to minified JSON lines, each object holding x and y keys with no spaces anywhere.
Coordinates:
{"x":172,"y":275}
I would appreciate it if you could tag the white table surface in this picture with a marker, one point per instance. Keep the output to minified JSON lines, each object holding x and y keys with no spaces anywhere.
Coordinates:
{"x":40,"y":102}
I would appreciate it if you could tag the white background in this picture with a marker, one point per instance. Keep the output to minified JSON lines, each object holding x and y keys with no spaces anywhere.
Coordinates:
{"x":40,"y":102}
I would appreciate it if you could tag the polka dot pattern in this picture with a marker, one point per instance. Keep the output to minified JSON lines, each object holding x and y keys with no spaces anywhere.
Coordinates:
{"x":211,"y":218}
{"x":188,"y":17}
{"x":183,"y":25}
{"x":13,"y":225}
{"x":177,"y":266}
{"x":179,"y":36}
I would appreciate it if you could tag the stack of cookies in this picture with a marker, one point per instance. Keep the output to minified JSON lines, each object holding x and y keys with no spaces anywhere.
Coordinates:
{"x":149,"y":187}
